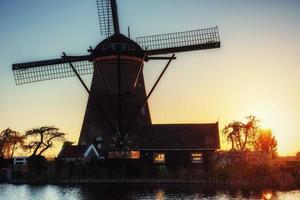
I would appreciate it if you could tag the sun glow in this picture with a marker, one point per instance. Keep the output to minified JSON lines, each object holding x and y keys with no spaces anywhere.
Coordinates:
{"x":280,"y":118}
{"x":160,"y":195}
{"x":267,"y":196}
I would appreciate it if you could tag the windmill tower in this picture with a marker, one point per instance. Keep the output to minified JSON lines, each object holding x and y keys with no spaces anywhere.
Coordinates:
{"x":117,"y":97}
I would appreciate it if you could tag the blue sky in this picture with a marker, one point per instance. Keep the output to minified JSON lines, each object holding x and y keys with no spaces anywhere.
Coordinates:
{"x":255,"y":72}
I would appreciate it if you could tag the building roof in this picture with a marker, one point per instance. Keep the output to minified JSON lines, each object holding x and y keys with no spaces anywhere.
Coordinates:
{"x":73,"y":151}
{"x":178,"y":136}
{"x":78,"y":151}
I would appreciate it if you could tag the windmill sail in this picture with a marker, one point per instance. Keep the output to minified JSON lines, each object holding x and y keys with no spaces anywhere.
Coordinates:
{"x":118,"y":88}
{"x":108,"y":17}
{"x":180,"y":41}
{"x":50,"y":69}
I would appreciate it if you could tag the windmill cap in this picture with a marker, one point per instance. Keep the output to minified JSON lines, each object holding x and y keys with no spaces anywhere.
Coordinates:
{"x":117,"y":44}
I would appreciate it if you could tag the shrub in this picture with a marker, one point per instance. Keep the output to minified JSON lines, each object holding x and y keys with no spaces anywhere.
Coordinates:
{"x":162,"y":171}
{"x":37,"y":163}
{"x":297,"y":179}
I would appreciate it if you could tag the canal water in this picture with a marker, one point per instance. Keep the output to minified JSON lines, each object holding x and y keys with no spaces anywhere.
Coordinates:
{"x":100,"y":192}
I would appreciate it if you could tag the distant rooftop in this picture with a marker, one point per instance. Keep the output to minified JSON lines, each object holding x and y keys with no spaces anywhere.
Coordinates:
{"x":178,"y":136}
{"x":73,"y":151}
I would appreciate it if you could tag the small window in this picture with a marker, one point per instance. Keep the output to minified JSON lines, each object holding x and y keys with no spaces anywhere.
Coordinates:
{"x":117,"y":154}
{"x":159,"y":158}
{"x":196,"y":157}
{"x":124,"y":155}
{"x":131,"y":47}
{"x":118,"y":46}
{"x":135,"y":155}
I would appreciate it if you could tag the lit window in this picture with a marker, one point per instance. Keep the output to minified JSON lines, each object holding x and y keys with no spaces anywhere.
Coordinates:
{"x":124,"y":154}
{"x":159,"y":158}
{"x":196,"y":157}
{"x":135,"y":155}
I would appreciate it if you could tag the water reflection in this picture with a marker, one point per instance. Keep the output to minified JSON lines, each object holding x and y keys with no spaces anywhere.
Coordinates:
{"x":101,"y":192}
{"x":267,"y":195}
{"x":160,"y":195}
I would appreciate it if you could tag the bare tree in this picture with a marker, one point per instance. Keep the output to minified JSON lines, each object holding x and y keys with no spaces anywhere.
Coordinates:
{"x":251,"y":130}
{"x":10,"y":142}
{"x":42,"y":139}
{"x":242,"y":135}
{"x":232,"y":131}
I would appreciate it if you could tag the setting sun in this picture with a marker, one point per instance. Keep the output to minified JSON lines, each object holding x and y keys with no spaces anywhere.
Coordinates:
{"x":273,"y":115}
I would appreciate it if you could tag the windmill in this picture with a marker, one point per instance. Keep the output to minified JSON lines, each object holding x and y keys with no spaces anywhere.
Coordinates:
{"x":117,"y":100}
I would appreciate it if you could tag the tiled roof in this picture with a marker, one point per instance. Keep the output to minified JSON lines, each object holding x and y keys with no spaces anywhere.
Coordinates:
{"x":177,"y":136}
{"x":70,"y":151}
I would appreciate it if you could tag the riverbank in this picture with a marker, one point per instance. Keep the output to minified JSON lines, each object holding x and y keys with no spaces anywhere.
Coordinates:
{"x":239,"y":173}
{"x":211,"y":183}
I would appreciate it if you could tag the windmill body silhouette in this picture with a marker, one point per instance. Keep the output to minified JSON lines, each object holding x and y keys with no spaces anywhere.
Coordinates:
{"x":117,"y":102}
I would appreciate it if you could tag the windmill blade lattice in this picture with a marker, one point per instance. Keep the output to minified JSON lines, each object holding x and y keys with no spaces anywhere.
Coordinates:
{"x":51,"y":69}
{"x":180,"y":41}
{"x":105,"y":17}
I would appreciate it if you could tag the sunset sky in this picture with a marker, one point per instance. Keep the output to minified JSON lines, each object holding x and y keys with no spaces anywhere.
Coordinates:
{"x":255,"y":72}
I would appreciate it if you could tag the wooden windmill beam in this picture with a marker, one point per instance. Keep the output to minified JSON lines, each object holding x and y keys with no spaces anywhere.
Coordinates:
{"x":100,"y":74}
{"x":211,"y":45}
{"x":114,"y":10}
{"x":64,"y":56}
{"x":150,"y":93}
{"x":43,"y":63}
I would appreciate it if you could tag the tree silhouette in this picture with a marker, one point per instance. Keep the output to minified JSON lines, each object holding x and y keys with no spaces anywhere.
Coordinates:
{"x":10,"y":142}
{"x":233,"y":132}
{"x":242,"y":135}
{"x":266,"y":143}
{"x":42,"y":139}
